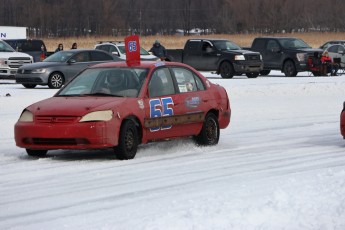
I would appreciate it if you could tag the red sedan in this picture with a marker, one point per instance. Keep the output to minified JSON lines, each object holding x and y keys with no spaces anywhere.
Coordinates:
{"x":119,"y":106}
{"x":342,"y":121}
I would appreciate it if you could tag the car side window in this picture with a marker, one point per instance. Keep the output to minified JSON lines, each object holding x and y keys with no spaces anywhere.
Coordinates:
{"x":161,"y":83}
{"x":100,"y":56}
{"x":333,"y":49}
{"x":272,"y":46}
{"x":186,"y":80}
{"x":81,"y":57}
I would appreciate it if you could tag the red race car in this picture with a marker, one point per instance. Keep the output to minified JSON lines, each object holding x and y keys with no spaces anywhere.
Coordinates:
{"x":342,"y":121}
{"x":120,"y":105}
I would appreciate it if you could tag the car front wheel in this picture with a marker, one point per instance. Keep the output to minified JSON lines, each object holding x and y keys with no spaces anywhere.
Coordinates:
{"x":128,"y":141}
{"x":209,"y":134}
{"x":56,"y":80}
{"x":289,"y":69}
{"x":226,"y":70}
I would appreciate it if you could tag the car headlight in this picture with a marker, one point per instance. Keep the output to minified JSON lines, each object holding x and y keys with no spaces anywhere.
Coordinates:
{"x":38,"y":71}
{"x":301,"y":56}
{"x":26,"y":116}
{"x":98,"y":116}
{"x":239,"y":58}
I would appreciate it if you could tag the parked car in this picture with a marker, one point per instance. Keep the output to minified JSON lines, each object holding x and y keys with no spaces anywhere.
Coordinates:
{"x":33,"y":47}
{"x":10,"y":60}
{"x":342,"y":121}
{"x":333,"y":42}
{"x":59,"y":68}
{"x":157,"y":101}
{"x":337,"y":52}
{"x":288,"y":54}
{"x":118,"y":50}
{"x":222,"y":56}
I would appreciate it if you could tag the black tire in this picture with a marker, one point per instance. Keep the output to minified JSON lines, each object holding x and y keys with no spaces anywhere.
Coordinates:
{"x":289,"y":69}
{"x":36,"y":152}
{"x":56,"y":80}
{"x":226,"y":70}
{"x":209,"y":134}
{"x":265,"y":72}
{"x":29,"y":86}
{"x":128,"y":141}
{"x":252,"y":75}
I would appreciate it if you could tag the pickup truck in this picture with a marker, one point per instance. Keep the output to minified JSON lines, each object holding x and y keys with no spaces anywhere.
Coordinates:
{"x":219,"y":55}
{"x":10,"y":60}
{"x":287,"y":54}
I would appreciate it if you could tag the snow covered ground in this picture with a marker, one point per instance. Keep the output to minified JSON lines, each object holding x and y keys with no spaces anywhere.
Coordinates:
{"x":279,"y":165}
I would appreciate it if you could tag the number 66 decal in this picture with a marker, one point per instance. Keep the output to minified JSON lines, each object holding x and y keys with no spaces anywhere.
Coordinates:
{"x":161,"y":108}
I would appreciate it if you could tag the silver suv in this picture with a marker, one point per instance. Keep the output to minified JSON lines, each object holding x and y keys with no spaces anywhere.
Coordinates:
{"x":117,"y":49}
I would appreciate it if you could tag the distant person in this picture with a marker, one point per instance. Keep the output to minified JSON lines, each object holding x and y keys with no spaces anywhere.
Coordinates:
{"x":74,"y":46}
{"x":43,"y":53}
{"x":158,"y":50}
{"x":331,"y":66}
{"x":59,"y":48}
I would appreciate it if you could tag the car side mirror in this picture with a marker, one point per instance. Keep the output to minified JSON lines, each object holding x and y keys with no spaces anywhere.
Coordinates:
{"x":115,"y":53}
{"x":71,"y":61}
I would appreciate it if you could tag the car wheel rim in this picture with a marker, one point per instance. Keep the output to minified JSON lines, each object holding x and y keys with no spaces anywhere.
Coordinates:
{"x":56,"y":81}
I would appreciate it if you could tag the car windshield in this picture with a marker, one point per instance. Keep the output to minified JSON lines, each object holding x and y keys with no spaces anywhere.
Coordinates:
{"x":293,"y":43}
{"x":226,"y":45}
{"x":119,"y":82}
{"x":4,"y":47}
{"x":142,"y":50}
{"x":61,"y":56}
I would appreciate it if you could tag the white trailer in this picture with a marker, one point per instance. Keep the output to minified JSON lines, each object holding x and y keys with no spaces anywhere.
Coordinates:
{"x":12,"y":32}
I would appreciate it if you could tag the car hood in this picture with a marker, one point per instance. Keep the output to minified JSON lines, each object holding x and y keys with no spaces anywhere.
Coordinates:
{"x":76,"y":106}
{"x":14,"y":54}
{"x":40,"y":65}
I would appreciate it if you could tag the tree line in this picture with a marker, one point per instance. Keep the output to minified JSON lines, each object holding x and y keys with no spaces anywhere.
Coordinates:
{"x":64,"y":18}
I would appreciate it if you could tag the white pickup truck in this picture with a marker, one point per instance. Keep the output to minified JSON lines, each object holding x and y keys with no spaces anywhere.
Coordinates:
{"x":10,"y":60}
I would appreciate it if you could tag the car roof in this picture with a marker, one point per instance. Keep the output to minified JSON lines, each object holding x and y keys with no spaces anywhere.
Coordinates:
{"x":121,"y":43}
{"x":143,"y":64}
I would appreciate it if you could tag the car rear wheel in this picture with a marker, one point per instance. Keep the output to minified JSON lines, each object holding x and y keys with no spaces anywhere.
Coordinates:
{"x":252,"y":75}
{"x":56,"y":80}
{"x":128,"y":141}
{"x":226,"y":70}
{"x":36,"y":152}
{"x":29,"y":86}
{"x":289,"y":69}
{"x":209,"y":134}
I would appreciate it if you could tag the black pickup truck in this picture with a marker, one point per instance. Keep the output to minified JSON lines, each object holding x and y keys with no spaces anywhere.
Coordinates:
{"x":222,"y":56}
{"x":287,"y":54}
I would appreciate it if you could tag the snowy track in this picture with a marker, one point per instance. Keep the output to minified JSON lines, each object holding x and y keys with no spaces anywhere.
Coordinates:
{"x":279,"y":165}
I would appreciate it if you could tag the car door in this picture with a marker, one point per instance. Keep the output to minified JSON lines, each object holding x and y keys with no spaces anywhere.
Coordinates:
{"x":194,"y":101}
{"x":209,"y":57}
{"x":272,"y":54}
{"x":76,"y":63}
{"x":160,"y":105}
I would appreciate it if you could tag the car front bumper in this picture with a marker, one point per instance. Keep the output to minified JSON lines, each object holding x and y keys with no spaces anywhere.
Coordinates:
{"x":38,"y":79}
{"x":82,"y":135}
